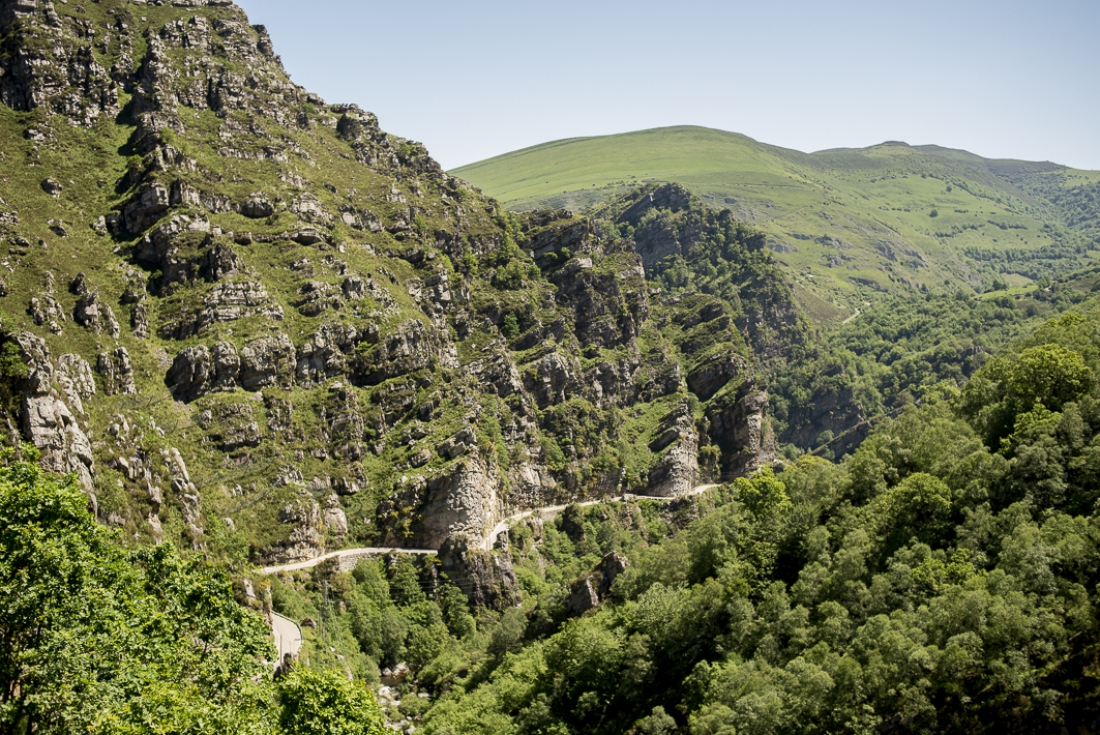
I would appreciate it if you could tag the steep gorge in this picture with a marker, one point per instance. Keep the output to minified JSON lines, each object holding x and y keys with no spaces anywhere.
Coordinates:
{"x":254,"y":322}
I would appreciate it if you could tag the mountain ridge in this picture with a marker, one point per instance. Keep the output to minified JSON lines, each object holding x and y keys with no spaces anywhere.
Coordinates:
{"x":850,"y":222}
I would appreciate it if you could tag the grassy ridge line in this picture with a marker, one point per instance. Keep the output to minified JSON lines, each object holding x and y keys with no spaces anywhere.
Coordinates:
{"x":590,"y":162}
{"x":891,"y":217}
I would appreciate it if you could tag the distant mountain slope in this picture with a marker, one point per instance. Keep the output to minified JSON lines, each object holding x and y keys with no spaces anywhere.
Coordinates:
{"x":891,"y":217}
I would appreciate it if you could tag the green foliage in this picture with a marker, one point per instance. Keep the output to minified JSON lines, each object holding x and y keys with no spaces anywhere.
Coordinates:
{"x":12,"y":372}
{"x":97,"y":639}
{"x":929,"y":579}
{"x":995,"y":218}
{"x":327,"y":702}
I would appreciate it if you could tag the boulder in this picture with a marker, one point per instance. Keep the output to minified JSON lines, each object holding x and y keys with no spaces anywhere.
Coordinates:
{"x":257,"y":206}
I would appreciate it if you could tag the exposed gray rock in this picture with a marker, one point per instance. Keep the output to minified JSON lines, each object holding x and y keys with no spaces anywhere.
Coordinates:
{"x":74,"y":378}
{"x":45,"y":419}
{"x":199,"y":370}
{"x":713,"y":374}
{"x":237,"y":428}
{"x":354,"y":288}
{"x":326,"y":353}
{"x":228,"y":301}
{"x":227,"y":366}
{"x":553,"y":381}
{"x":498,"y":374}
{"x":185,"y":493}
{"x":45,"y":66}
{"x":463,"y":501}
{"x":307,"y":537}
{"x":413,"y":346}
{"x":147,"y":206}
{"x":52,"y":187}
{"x":743,"y":432}
{"x":582,"y":596}
{"x":47,"y":312}
{"x":117,"y":372}
{"x":267,"y":361}
{"x":309,"y":209}
{"x":487,"y":578}
{"x":675,"y":473}
{"x":258,"y":206}
{"x":344,"y":421}
{"x":336,"y":521}
{"x":317,"y":297}
{"x":91,"y":313}
{"x":610,"y":567}
{"x":139,"y":320}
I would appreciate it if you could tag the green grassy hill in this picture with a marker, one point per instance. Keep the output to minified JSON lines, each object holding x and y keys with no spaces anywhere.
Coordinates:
{"x":851,"y":222}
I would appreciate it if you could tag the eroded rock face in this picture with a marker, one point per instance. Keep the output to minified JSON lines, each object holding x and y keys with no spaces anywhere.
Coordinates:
{"x":307,"y":536}
{"x":74,"y":378}
{"x":588,"y":592}
{"x":553,"y":380}
{"x":46,"y":421}
{"x":326,"y":353}
{"x":742,"y":430}
{"x":677,"y":471}
{"x":414,"y":346}
{"x":47,"y":312}
{"x":344,"y":421}
{"x":378,"y":370}
{"x":117,"y":372}
{"x":91,"y":313}
{"x":267,"y":361}
{"x":487,"y":578}
{"x":257,"y":206}
{"x":609,"y":304}
{"x":464,"y":501}
{"x":57,"y":72}
{"x":199,"y":370}
{"x":228,"y":301}
{"x":712,"y":375}
{"x":336,"y":521}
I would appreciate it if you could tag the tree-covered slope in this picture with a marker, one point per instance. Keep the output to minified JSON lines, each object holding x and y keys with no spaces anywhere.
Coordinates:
{"x":850,"y":221}
{"x":941,"y":579}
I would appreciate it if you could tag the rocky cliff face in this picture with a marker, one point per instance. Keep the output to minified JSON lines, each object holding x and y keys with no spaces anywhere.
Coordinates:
{"x":305,"y":334}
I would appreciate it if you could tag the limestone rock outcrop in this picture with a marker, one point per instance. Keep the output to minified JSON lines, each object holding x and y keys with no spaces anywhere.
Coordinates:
{"x":46,"y":420}
{"x":677,"y":470}
{"x":488,"y":578}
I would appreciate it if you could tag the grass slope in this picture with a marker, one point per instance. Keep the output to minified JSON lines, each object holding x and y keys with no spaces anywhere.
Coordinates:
{"x":891,"y":217}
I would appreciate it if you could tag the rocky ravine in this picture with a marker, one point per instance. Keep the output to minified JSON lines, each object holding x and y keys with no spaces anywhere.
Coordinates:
{"x":254,"y":322}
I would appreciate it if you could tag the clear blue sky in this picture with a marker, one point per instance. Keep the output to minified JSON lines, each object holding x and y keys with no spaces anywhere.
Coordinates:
{"x":472,"y":79}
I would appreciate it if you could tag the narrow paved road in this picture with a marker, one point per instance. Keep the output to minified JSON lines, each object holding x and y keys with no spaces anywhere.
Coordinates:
{"x":503,"y":526}
{"x":487,"y":544}
{"x":288,"y":636}
{"x":366,"y":551}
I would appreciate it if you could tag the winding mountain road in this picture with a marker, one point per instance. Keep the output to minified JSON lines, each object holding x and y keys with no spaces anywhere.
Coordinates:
{"x":487,"y":544}
{"x":288,"y":634}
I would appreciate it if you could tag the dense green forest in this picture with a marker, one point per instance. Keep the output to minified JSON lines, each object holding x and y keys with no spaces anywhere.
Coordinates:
{"x":941,"y":578}
{"x":899,"y":349}
{"x":97,"y":639}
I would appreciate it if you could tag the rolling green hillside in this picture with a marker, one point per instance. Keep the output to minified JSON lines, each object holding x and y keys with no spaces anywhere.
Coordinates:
{"x":891,"y":217}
